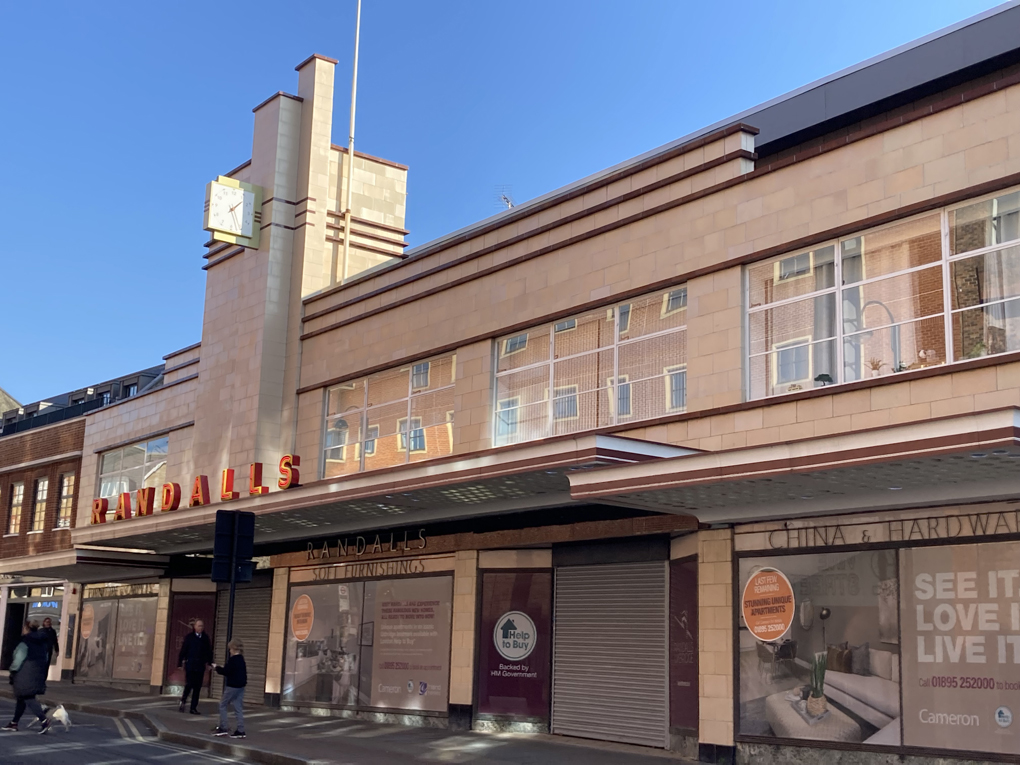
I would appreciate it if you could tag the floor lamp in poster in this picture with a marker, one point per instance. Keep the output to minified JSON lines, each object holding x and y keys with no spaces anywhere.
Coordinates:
{"x":824,"y":614}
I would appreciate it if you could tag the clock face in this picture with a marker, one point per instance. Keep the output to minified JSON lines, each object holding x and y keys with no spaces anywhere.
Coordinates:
{"x":230,"y":208}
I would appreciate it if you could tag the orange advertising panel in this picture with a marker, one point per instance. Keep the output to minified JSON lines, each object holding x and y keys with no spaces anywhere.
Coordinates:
{"x":768,"y":604}
{"x":302,"y":617}
{"x":88,"y":620}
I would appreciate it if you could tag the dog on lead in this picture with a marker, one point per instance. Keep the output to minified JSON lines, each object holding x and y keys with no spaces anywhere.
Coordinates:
{"x":57,"y":714}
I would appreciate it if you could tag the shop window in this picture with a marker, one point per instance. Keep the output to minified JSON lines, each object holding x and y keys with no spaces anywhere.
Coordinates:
{"x":66,"y":501}
{"x":367,"y":419}
{"x":348,"y":645}
{"x":42,"y":490}
{"x":912,"y":646}
{"x":564,"y":381}
{"x":17,"y":499}
{"x":136,"y":466}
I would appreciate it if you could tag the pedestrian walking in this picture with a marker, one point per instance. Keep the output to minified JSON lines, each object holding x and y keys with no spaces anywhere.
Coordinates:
{"x":196,"y":654}
{"x":28,"y":675}
{"x":235,"y":678}
{"x":51,"y":634}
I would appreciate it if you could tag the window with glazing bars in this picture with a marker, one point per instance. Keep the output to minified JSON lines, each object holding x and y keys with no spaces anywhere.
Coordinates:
{"x":42,"y":490}
{"x":389,"y":418}
{"x":14,"y":505}
{"x":66,"y":501}
{"x":592,"y":370}
{"x":937,"y":288}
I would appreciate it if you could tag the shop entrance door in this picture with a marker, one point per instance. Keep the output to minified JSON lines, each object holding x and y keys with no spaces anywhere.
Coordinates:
{"x":610,"y":650}
{"x":13,"y":622}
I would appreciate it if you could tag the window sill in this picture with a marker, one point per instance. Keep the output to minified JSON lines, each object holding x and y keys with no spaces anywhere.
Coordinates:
{"x":10,"y":535}
{"x":62,"y":528}
{"x":37,"y":531}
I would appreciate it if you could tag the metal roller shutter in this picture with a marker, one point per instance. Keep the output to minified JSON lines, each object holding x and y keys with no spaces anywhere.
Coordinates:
{"x":610,"y":655}
{"x":251,"y":625}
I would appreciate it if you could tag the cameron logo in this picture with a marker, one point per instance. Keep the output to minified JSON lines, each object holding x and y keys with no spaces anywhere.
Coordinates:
{"x":941,"y":718}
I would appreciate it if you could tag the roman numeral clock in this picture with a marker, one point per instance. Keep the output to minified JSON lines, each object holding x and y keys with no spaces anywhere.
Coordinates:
{"x":233,"y":212}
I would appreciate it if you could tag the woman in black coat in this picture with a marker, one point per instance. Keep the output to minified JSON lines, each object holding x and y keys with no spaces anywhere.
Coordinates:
{"x":28,"y":675}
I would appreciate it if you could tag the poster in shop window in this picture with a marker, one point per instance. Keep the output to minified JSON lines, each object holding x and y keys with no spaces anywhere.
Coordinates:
{"x":845,"y":614}
{"x":514,"y":661}
{"x":960,"y":624}
{"x":95,"y":644}
{"x":136,"y":625}
{"x":408,"y":664}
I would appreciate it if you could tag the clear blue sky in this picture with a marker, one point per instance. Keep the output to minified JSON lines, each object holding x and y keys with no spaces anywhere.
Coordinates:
{"x":115,"y":115}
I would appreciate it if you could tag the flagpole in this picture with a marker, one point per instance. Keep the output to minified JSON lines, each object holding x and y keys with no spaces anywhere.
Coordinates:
{"x":350,"y":152}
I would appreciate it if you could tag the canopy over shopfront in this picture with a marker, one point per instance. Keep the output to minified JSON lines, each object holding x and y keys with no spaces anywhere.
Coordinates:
{"x":513,"y":479}
{"x":967,"y":458}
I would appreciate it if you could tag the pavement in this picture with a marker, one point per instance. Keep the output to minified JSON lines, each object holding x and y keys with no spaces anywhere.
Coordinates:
{"x":284,"y":738}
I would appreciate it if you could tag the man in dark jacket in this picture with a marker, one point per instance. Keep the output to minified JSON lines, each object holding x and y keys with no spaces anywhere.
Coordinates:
{"x":28,"y":675}
{"x":51,"y":635}
{"x":196,"y":655}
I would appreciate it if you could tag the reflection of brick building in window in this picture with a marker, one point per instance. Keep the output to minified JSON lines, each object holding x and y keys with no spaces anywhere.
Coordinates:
{"x":621,"y":363}
{"x":390,"y":418}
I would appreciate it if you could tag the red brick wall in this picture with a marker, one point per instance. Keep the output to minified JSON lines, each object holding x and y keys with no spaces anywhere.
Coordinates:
{"x":28,"y":447}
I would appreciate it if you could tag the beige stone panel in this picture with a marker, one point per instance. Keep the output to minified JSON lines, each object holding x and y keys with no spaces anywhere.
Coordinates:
{"x":488,"y":559}
{"x":277,"y":630}
{"x":132,"y":420}
{"x":160,"y":634}
{"x":462,"y":660}
{"x":715,"y":628}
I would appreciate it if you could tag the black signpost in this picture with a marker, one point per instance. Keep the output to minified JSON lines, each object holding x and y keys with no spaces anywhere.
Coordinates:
{"x":233,"y":548}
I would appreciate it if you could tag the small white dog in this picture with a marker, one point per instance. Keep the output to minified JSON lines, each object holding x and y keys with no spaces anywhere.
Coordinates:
{"x":56,"y":715}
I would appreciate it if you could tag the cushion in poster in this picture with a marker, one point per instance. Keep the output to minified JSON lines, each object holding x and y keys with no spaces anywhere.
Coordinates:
{"x":881,"y":663}
{"x":835,"y":659}
{"x":860,"y":663}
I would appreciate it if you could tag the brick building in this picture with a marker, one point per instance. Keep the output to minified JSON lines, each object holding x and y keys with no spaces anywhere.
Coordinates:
{"x":630,"y":461}
{"x":40,"y":467}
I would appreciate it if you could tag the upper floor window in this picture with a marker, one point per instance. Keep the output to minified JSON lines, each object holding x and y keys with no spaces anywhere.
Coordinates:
{"x":600,"y":369}
{"x":390,"y":418}
{"x":133,"y":467}
{"x":42,"y":490}
{"x":105,"y":397}
{"x":14,"y":505}
{"x":66,"y":501}
{"x":877,"y":303}
{"x":130,"y":390}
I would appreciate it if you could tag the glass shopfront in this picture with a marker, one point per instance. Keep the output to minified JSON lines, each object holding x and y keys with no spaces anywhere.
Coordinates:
{"x":381,"y":644}
{"x":910,"y":647}
{"x":116,"y":639}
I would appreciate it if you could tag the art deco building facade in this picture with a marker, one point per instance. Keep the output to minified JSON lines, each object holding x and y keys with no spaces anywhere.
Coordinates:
{"x":630,"y":461}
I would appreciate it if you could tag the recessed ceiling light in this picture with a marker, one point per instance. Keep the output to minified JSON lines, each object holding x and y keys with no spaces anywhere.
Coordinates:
{"x":978,"y":455}
{"x":807,"y":496}
{"x":895,"y":488}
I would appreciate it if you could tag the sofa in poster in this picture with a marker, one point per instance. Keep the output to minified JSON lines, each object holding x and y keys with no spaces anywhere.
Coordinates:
{"x":842,"y":615}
